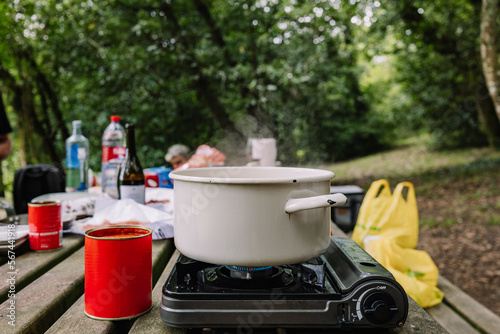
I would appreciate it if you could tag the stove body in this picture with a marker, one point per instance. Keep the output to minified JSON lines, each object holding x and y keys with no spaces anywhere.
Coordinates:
{"x":343,"y":288}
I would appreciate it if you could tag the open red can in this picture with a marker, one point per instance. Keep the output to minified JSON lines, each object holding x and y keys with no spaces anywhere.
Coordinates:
{"x":118,"y":272}
{"x":45,"y":225}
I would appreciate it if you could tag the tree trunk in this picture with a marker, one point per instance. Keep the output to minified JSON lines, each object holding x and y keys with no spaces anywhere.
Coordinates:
{"x":215,"y":32}
{"x":2,"y":189}
{"x":489,"y":54}
{"x":33,"y":124}
{"x":21,"y":140}
{"x":46,"y":92}
{"x":487,"y":116}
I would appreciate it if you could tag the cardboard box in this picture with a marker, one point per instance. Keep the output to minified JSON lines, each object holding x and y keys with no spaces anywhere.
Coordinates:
{"x":158,"y":177}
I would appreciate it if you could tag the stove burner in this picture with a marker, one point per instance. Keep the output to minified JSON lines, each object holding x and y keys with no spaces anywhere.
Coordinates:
{"x":200,"y":277}
{"x":247,"y":268}
{"x":224,"y":277}
{"x":249,"y":273}
{"x":343,"y":288}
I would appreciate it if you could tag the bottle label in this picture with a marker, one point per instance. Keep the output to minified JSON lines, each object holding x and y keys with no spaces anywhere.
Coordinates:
{"x":72,"y":157}
{"x":110,"y":177}
{"x":72,"y":178}
{"x":112,"y":152}
{"x":137,"y":193}
{"x":76,"y":168}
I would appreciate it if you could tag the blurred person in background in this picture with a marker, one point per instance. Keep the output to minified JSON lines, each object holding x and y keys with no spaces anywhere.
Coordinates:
{"x":5,"y":129}
{"x":205,"y":156}
{"x":177,"y":155}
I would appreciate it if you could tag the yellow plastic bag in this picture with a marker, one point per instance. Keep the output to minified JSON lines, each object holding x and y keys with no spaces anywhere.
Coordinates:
{"x":413,"y":269}
{"x":389,"y":214}
{"x":387,"y":228}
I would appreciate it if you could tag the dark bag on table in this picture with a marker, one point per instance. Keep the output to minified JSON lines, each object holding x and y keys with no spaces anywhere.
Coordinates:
{"x":35,"y":180}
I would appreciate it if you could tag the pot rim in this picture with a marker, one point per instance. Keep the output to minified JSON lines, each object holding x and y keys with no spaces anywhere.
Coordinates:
{"x":233,"y":175}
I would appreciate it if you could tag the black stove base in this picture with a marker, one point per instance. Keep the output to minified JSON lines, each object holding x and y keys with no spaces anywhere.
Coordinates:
{"x":343,"y":288}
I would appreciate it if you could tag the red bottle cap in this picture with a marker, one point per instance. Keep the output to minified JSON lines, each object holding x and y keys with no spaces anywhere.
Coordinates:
{"x":115,"y":118}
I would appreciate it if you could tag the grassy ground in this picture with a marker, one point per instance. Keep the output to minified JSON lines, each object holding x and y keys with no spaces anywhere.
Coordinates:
{"x":465,"y":181}
{"x":458,"y":196}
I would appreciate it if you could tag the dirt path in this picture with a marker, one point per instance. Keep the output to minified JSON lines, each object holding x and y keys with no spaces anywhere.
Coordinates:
{"x":467,"y":255}
{"x":461,"y":232}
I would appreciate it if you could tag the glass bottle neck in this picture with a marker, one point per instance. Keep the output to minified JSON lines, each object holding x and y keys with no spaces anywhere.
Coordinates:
{"x":77,"y":130}
{"x":131,"y":141}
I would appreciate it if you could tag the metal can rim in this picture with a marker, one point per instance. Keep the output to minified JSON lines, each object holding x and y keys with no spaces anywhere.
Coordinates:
{"x":44,"y":203}
{"x":150,"y":231}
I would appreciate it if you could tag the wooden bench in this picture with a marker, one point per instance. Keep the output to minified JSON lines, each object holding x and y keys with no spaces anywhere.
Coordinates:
{"x":460,"y":313}
{"x":49,"y":297}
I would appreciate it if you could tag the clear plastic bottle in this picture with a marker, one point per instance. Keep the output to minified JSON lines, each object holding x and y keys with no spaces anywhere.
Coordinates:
{"x":77,"y":160}
{"x":113,"y":153}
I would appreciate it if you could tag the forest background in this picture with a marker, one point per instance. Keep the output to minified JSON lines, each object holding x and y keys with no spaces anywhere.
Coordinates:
{"x":330,"y":80}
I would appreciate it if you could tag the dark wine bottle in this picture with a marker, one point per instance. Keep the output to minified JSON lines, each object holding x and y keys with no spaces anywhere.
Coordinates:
{"x":131,"y":181}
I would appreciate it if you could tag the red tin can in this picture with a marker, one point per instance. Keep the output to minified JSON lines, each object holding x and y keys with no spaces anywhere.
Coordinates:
{"x":118,"y":272}
{"x":45,"y":225}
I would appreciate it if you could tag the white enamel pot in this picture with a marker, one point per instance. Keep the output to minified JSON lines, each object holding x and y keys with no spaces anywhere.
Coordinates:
{"x":253,"y":216}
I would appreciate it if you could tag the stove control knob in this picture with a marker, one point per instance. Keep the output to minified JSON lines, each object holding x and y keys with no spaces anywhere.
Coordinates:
{"x":379,"y":307}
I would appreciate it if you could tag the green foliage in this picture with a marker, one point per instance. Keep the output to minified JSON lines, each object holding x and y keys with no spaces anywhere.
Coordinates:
{"x":185,"y":71}
{"x":330,"y":80}
{"x":438,"y":66}
{"x":494,"y":221}
{"x":428,"y":222}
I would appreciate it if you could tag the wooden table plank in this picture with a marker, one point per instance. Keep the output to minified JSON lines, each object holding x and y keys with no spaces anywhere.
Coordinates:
{"x":19,"y":250}
{"x":470,"y":309}
{"x":32,"y":265}
{"x":75,"y":317}
{"x":419,"y":320}
{"x":151,"y":323}
{"x":162,"y":252}
{"x":16,"y":220}
{"x":43,"y":301}
{"x":450,"y":320}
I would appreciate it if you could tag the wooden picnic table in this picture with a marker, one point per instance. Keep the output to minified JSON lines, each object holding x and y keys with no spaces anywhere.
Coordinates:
{"x":49,"y":297}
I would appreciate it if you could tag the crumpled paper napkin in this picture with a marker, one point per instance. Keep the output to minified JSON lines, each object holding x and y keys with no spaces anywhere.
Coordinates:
{"x":108,"y":212}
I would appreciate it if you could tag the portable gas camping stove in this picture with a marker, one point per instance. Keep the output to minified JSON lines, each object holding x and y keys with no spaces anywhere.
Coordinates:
{"x":343,"y":288}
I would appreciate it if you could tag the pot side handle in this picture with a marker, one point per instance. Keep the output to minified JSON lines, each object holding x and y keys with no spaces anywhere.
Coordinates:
{"x":322,"y":201}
